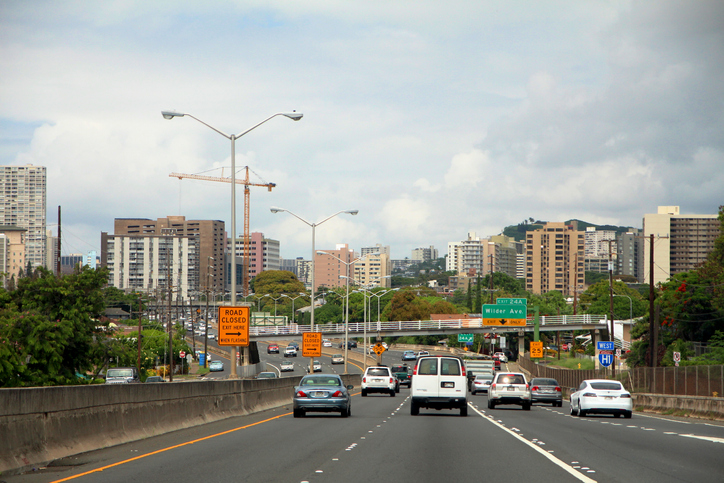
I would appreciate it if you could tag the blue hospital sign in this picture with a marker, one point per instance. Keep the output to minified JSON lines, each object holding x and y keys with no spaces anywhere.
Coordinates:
{"x":605,"y":359}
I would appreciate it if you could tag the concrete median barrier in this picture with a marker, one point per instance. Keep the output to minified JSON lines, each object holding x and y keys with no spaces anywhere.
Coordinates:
{"x":39,"y":425}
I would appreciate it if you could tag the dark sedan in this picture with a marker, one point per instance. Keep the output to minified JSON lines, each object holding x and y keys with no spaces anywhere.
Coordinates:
{"x":322,"y":393}
{"x":544,"y":390}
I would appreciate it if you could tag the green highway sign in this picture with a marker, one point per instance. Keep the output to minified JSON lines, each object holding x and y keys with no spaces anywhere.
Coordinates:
{"x":515,"y":301}
{"x":504,"y":314}
{"x":465,"y":337}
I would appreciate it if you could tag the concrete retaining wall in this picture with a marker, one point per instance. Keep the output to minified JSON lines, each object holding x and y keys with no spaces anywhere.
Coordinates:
{"x":39,"y":425}
{"x":702,"y":405}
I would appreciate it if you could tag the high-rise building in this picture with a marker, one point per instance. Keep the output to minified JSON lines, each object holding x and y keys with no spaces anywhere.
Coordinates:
{"x":555,"y":259}
{"x":263,"y":253}
{"x":149,"y":262}
{"x":212,"y":239}
{"x":681,"y":242}
{"x":329,"y":270}
{"x":22,"y":204}
{"x":378,"y":248}
{"x":373,"y":270}
{"x":12,"y":253}
{"x":630,"y":260}
{"x":424,"y":254}
{"x":300,"y":267}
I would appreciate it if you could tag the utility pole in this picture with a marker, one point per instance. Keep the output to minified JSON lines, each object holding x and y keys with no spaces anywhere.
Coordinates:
{"x":652,"y":321}
{"x":491,"y":277}
{"x":610,"y":300}
{"x":170,"y":335}
{"x":140,"y":313}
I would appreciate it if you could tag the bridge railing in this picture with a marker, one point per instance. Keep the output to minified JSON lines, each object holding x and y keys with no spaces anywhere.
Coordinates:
{"x":412,"y":325}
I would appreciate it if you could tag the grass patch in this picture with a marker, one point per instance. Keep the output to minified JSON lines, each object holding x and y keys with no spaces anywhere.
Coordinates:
{"x":568,"y":363}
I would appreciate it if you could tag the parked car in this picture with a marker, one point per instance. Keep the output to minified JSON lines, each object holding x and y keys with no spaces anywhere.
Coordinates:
{"x":266,"y":375}
{"x":409,"y":356}
{"x":322,"y":393}
{"x":501,"y":356}
{"x":545,"y":390}
{"x":379,"y":379}
{"x":286,"y":366}
{"x":509,"y":388}
{"x":123,"y":375}
{"x":481,"y":383}
{"x":290,"y":351}
{"x":439,"y":382}
{"x":403,"y":374}
{"x":216,"y":366}
{"x":601,"y":396}
{"x":155,"y":379}
{"x":272,"y":349}
{"x":337,"y":359}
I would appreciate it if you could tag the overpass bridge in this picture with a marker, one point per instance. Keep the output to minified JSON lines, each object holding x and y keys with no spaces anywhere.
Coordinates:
{"x":431,"y":327}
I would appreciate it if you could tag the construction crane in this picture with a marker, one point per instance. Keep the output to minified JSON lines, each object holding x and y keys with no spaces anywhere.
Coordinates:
{"x":247,"y":241}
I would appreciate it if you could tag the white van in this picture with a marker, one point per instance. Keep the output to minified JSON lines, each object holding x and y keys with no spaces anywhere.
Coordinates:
{"x":439,"y":382}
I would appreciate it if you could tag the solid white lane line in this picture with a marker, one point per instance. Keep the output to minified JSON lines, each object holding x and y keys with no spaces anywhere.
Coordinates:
{"x":548,"y":455}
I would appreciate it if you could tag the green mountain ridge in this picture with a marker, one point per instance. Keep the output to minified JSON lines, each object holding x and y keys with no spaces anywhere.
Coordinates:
{"x":518,"y":231}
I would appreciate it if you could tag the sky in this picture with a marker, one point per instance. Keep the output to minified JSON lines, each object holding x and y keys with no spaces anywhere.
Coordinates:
{"x":433,"y":119}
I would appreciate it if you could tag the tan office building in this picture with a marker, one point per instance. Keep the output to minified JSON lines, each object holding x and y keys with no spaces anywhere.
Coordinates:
{"x":555,"y":259}
{"x":12,"y":253}
{"x":373,"y":271}
{"x":681,"y":242}
{"x":329,"y":269}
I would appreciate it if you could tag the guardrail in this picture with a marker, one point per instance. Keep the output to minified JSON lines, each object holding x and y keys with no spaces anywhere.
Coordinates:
{"x":358,"y":328}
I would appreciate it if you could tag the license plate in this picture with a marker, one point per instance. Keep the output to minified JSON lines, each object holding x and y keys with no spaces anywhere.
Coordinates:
{"x":376,"y":380}
{"x":318,"y":394}
{"x":511,"y":388}
{"x":448,"y":384}
{"x":608,"y":398}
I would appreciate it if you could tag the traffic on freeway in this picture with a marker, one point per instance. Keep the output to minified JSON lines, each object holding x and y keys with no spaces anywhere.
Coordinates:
{"x":382,"y":441}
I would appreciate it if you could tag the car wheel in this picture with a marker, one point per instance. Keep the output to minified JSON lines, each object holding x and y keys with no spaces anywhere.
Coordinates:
{"x":472,"y":392}
{"x":491,"y":404}
{"x":364,"y":392}
{"x":526,"y":407}
{"x":581,"y":413}
{"x":298,"y":413}
{"x":393,"y":393}
{"x":616,"y":415}
{"x":345,"y":413}
{"x":573,"y":411}
{"x":414,"y":409}
{"x":464,"y":411}
{"x":627,"y":415}
{"x":560,"y":404}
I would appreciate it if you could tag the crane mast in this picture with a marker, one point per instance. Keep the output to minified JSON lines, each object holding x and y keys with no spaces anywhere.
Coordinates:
{"x":247,"y":239}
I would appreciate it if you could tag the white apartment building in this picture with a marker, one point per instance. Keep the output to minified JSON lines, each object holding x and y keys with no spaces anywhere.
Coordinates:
{"x":23,"y":204}
{"x":147,"y":263}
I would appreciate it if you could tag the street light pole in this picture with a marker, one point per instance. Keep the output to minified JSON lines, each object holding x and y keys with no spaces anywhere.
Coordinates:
{"x":314,"y":250}
{"x":295,"y":116}
{"x":293,"y":299}
{"x":630,"y":305}
{"x":206,"y":318}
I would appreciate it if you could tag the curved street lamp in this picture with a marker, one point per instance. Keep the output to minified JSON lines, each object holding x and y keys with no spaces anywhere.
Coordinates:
{"x":294,"y":116}
{"x":293,"y":299}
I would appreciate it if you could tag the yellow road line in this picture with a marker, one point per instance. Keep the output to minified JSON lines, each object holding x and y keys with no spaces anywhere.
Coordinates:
{"x":169,"y":448}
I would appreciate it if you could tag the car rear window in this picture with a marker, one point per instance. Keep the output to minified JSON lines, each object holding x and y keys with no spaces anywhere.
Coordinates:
{"x":511,"y":379}
{"x":378,"y":371}
{"x":450,"y":367}
{"x":427,"y":367}
{"x":321,"y":381}
{"x":544,"y":382}
{"x":399,"y":368}
{"x":611,"y":386}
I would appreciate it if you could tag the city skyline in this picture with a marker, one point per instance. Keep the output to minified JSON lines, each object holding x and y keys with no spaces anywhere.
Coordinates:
{"x":432,"y":121}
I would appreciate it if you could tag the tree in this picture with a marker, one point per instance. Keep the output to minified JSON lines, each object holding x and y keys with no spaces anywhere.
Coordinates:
{"x":596,"y":300}
{"x":277,"y":282}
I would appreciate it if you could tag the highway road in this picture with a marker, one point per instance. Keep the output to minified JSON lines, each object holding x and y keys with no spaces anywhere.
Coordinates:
{"x":382,"y":442}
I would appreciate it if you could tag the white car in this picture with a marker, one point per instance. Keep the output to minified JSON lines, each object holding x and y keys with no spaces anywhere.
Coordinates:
{"x":481,"y":383}
{"x":317,"y":366}
{"x":439,"y":382}
{"x":601,"y":396}
{"x":290,"y":351}
{"x":509,"y":388}
{"x":501,"y":356}
{"x":423,"y":353}
{"x":286,"y":366}
{"x":379,"y":379}
{"x":326,"y":343}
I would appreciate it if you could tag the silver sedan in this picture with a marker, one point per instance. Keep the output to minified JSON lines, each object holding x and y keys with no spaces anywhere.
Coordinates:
{"x":322,"y":393}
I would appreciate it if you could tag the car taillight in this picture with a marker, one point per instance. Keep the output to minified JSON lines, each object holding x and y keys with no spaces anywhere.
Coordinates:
{"x":589,"y":394}
{"x":527,"y":387}
{"x":464,"y":373}
{"x":625,"y":395}
{"x":414,"y":371}
{"x":337,"y":394}
{"x":392,"y":380}
{"x":301,"y":394}
{"x":364,"y":379}
{"x":492,"y":386}
{"x":534,"y":388}
{"x":558,"y":389}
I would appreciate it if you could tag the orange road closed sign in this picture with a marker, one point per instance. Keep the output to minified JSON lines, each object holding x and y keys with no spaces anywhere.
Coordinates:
{"x":312,"y":344}
{"x":234,"y":326}
{"x":536,"y":350}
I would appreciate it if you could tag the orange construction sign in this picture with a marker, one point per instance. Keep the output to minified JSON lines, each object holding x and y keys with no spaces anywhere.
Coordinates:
{"x":234,"y":326}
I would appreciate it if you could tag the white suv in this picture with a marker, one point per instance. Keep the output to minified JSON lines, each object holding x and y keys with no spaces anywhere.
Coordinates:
{"x":439,"y":382}
{"x":379,"y":379}
{"x":509,"y":388}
